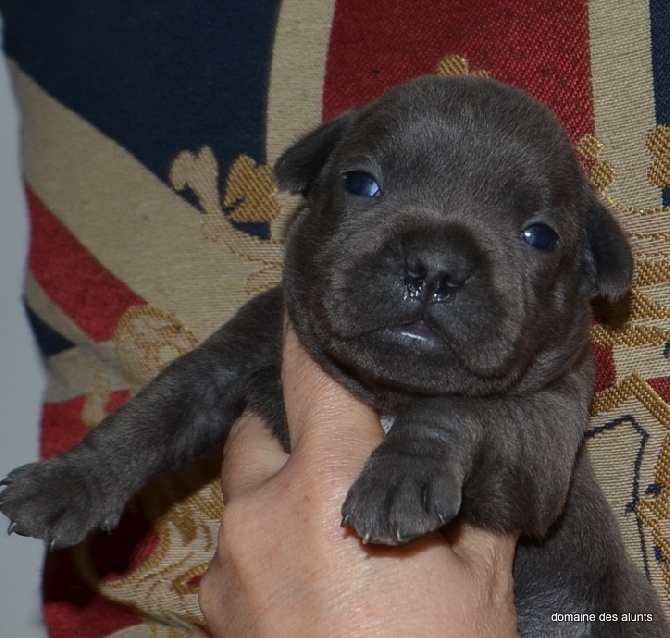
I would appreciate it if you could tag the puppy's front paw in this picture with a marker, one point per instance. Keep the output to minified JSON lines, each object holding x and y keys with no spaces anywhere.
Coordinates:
{"x":397,"y":498}
{"x":57,"y":501}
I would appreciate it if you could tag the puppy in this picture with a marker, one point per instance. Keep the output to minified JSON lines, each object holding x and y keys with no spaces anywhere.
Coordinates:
{"x":441,"y":270}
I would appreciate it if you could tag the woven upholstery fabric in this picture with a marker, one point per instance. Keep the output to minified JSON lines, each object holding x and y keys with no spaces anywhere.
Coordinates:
{"x":148,"y":130}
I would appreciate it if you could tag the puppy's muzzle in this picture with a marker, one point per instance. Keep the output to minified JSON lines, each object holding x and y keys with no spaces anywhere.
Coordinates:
{"x":433,"y":283}
{"x":436,"y":267}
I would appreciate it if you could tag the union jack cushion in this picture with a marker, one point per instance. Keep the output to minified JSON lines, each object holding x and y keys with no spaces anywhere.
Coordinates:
{"x":148,"y":132}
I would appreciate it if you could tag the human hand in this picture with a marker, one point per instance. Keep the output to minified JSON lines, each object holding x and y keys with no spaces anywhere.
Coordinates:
{"x":285,"y":567}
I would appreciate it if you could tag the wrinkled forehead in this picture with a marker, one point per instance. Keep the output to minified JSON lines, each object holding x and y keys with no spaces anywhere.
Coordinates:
{"x":454,"y":122}
{"x":472,"y":141}
{"x":453,"y":156}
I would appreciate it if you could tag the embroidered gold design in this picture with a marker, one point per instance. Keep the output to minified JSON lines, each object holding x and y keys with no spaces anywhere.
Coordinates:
{"x":651,"y":292}
{"x":658,"y":144}
{"x":250,"y":190}
{"x":640,"y":344}
{"x":95,"y":403}
{"x":655,"y":512}
{"x":146,"y":340}
{"x":630,"y":336}
{"x":185,"y":516}
{"x":634,"y":386}
{"x":248,"y":187}
{"x":652,"y":505}
{"x":651,"y":273}
{"x":644,"y":307}
{"x":589,"y":146}
{"x":458,"y":65}
{"x":601,"y":172}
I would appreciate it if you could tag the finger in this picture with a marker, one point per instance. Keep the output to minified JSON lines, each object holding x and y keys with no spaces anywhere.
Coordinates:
{"x":210,"y":599}
{"x":487,"y":558}
{"x":251,"y":455}
{"x":321,"y":412}
{"x":480,"y":547}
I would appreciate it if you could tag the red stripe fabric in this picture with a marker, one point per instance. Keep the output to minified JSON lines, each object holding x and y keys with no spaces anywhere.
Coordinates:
{"x":74,"y":611}
{"x":72,"y":277}
{"x":70,"y":609}
{"x":605,"y":367}
{"x":541,"y":47}
{"x":62,"y":426}
{"x":662,"y":386}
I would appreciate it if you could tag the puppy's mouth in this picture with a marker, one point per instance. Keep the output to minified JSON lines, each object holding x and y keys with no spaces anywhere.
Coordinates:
{"x":419,"y":331}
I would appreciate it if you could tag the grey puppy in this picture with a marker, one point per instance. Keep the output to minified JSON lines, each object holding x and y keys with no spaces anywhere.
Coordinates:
{"x":442,"y":270}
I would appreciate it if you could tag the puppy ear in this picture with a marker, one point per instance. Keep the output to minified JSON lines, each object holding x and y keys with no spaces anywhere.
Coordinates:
{"x":299,"y":165}
{"x":609,"y":259}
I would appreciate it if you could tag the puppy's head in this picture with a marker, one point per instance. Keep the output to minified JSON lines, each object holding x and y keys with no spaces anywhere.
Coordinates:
{"x":450,"y":241}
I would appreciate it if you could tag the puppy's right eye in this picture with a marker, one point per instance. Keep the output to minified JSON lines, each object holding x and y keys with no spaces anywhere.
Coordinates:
{"x":361,"y":184}
{"x":541,"y":236}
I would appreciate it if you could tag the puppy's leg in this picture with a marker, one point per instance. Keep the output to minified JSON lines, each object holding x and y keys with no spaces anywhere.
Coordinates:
{"x":184,"y":412}
{"x":502,"y":462}
{"x":581,"y":567}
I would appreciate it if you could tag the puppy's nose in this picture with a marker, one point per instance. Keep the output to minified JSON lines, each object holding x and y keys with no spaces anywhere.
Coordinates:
{"x":430,"y":278}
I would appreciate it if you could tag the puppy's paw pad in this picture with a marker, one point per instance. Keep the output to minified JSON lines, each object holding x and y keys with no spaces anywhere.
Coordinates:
{"x":55,"y":501}
{"x":396,"y":499}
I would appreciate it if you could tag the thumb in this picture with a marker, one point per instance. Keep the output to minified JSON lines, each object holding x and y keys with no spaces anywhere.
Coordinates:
{"x":483,"y":549}
{"x":251,"y":455}
{"x":323,"y":416}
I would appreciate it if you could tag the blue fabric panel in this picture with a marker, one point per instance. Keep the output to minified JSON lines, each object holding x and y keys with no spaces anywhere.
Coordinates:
{"x":660,"y":51}
{"x":49,"y":341}
{"x":147,"y":74}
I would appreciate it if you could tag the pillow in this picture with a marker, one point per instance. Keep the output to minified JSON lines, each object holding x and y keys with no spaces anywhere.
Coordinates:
{"x":148,"y":132}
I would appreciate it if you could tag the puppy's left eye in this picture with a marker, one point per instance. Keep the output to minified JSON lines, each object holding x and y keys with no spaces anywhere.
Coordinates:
{"x":540,"y":236}
{"x":361,"y":184}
